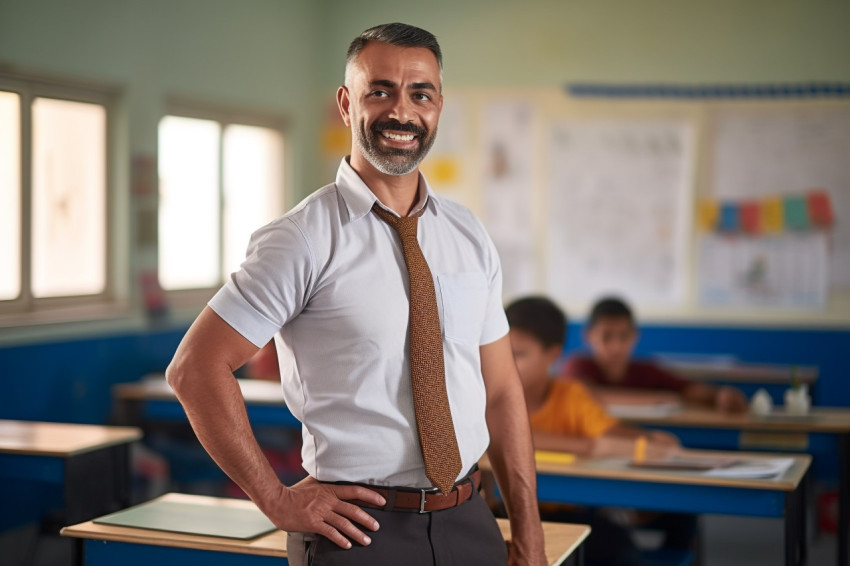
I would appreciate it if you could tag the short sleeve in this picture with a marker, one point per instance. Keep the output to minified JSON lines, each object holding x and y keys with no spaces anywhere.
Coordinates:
{"x":495,"y":321}
{"x":271,"y":286}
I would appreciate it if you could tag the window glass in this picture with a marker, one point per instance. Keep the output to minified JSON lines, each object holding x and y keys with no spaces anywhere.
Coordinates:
{"x":253,"y":187}
{"x":189,"y":203}
{"x":68,"y":198}
{"x":10,"y":195}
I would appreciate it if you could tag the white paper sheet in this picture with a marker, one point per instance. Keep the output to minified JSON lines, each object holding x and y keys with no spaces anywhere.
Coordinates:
{"x":621,"y":209}
{"x":784,"y":271}
{"x":508,"y":168}
{"x":773,"y":151}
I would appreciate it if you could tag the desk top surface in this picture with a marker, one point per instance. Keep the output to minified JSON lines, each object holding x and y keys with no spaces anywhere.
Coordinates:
{"x":60,"y":439}
{"x":620,"y":469}
{"x":561,"y":539}
{"x":155,"y":388}
{"x":819,"y":419}
{"x":742,"y":372}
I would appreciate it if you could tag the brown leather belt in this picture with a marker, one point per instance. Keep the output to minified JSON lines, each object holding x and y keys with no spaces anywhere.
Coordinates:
{"x":424,"y":500}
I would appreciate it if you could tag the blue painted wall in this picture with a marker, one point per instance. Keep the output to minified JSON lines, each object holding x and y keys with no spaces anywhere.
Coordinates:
{"x":70,"y":380}
{"x":829,"y":350}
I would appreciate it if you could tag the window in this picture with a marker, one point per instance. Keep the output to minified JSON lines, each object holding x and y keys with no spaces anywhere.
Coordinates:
{"x":54,"y":224}
{"x":219,"y":180}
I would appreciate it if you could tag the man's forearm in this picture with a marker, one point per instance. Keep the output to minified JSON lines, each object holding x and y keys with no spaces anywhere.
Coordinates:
{"x":511,"y":456}
{"x":216,"y":410}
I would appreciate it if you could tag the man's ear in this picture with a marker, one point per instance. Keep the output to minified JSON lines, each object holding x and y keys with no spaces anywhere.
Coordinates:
{"x":343,"y":102}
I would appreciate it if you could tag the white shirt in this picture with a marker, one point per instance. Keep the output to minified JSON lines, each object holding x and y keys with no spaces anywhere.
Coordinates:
{"x":329,"y":282}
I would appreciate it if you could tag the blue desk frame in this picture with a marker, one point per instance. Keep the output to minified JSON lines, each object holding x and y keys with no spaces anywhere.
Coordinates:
{"x":818,"y":443}
{"x":686,"y":498}
{"x":110,"y":553}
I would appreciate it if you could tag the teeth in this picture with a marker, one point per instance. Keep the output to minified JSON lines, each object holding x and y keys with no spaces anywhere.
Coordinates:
{"x":398,"y":137}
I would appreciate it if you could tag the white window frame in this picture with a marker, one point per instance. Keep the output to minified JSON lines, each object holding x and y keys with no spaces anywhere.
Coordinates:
{"x":224,"y":116}
{"x":27,"y":308}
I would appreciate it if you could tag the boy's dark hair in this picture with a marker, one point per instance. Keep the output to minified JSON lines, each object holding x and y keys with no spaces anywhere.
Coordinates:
{"x":610,"y":307}
{"x":400,"y":35}
{"x":539,"y":317}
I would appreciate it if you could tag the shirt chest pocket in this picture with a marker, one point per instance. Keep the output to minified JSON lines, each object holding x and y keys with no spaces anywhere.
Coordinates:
{"x":463,"y":298}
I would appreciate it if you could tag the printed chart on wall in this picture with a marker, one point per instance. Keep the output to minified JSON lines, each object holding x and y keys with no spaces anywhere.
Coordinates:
{"x":508,"y":163}
{"x":620,"y":210}
{"x":774,"y":230}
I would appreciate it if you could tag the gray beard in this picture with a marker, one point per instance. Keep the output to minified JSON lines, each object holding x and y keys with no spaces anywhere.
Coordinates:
{"x":387,"y":162}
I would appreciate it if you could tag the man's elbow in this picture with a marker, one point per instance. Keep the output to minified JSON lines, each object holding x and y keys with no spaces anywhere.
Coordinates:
{"x":176,"y":376}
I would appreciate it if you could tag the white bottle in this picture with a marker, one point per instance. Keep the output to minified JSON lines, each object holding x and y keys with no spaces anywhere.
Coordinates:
{"x":797,"y":400}
{"x":761,"y":403}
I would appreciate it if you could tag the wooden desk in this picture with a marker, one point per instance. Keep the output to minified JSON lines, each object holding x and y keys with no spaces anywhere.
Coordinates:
{"x":611,"y":482}
{"x":82,"y":469}
{"x":737,"y":372}
{"x":109,"y":545}
{"x":263,"y":399}
{"x":825,"y":431}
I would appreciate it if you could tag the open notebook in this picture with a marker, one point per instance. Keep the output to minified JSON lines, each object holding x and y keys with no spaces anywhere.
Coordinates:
{"x":192,"y":518}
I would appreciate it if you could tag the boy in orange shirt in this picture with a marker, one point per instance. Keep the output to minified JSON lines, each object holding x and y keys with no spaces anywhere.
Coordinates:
{"x":564,"y":415}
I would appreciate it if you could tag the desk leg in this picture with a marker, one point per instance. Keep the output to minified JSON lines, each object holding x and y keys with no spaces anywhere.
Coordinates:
{"x":795,"y":527}
{"x":576,"y":558}
{"x":843,"y":499}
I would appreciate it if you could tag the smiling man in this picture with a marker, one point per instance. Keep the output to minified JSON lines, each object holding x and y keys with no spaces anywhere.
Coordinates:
{"x":385,"y":305}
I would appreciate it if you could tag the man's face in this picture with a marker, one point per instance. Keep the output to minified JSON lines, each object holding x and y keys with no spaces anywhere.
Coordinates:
{"x":392,"y":103}
{"x":612,"y":341}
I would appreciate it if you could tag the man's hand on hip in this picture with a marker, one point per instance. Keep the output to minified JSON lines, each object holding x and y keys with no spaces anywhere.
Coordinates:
{"x":313,"y":507}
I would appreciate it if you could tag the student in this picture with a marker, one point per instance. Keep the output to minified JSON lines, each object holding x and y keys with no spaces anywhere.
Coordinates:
{"x":612,"y":334}
{"x":565,"y":417}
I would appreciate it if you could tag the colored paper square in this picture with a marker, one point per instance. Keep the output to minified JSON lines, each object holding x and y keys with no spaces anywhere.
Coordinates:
{"x":729,"y":218}
{"x":772,"y":215}
{"x":820,"y":209}
{"x":750,"y":217}
{"x":707,"y":213}
{"x":796,"y":213}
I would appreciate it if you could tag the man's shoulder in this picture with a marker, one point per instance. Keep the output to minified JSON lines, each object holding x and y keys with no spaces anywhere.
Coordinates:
{"x":318,"y":201}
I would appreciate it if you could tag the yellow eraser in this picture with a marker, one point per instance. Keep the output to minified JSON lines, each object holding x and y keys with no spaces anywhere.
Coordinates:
{"x":549,"y":457}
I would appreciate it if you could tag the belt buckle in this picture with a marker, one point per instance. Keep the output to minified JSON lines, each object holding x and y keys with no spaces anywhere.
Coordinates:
{"x":422,"y":493}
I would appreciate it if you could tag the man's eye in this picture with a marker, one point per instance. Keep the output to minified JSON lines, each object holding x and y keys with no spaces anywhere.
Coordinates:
{"x":380,"y":93}
{"x":422,"y":96}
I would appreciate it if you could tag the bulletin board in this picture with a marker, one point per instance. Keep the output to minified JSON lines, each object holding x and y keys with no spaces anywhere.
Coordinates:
{"x":696,"y":204}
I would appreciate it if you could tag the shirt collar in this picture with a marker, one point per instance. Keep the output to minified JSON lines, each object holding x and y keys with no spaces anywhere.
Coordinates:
{"x":359,"y":199}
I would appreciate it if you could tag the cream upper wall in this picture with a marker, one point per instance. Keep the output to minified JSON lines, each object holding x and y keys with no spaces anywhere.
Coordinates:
{"x":544,"y":42}
{"x":254,"y":54}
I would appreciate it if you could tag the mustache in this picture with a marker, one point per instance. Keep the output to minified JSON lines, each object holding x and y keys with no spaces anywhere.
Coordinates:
{"x":397,"y":126}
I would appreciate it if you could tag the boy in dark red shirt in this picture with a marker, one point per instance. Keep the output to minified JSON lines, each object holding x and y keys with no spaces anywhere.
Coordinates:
{"x":612,"y":334}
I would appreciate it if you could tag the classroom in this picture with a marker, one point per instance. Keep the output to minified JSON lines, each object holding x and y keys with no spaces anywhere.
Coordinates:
{"x":688,"y":157}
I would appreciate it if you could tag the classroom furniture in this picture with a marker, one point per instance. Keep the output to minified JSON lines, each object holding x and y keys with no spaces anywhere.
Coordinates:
{"x":748,"y":377}
{"x":107,"y":545}
{"x":824,"y":431}
{"x":59,"y":473}
{"x":613,"y":482}
{"x":91,"y":463}
{"x":152,"y":399}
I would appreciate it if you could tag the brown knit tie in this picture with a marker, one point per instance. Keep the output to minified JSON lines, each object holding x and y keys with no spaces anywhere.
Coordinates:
{"x":427,"y":370}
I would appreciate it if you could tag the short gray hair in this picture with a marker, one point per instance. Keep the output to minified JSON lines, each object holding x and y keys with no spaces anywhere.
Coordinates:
{"x":400,"y":35}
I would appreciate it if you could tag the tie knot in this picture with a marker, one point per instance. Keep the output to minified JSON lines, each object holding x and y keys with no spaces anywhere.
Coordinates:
{"x":405,"y":226}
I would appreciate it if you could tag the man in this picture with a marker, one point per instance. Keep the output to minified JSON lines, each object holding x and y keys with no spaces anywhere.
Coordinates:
{"x":338,"y":283}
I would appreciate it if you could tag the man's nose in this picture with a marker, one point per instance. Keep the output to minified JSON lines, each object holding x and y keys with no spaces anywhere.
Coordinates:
{"x":402,"y":110}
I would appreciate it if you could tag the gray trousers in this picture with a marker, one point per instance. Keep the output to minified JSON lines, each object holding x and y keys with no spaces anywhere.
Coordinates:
{"x":461,"y":536}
